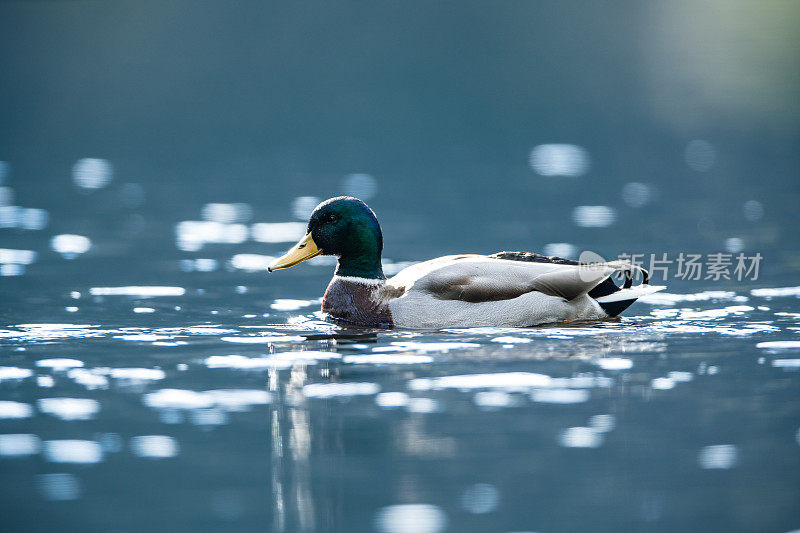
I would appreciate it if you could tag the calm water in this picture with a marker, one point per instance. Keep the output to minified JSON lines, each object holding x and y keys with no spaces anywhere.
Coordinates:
{"x":210,"y":404}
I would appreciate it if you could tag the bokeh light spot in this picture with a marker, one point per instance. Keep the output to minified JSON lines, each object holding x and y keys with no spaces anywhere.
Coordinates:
{"x":362,"y":186}
{"x":559,"y":160}
{"x":92,"y":173}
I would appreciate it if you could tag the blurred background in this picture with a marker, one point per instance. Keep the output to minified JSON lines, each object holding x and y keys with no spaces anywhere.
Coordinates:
{"x":470,"y":127}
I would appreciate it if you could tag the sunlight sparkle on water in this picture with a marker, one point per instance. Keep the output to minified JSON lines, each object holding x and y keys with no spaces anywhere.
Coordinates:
{"x":563,"y":396}
{"x":388,"y":359}
{"x":285,"y":304}
{"x":58,"y":486}
{"x":92,"y":173}
{"x":493,"y":399}
{"x":559,"y":160}
{"x":392,"y":399}
{"x":154,"y":446}
{"x":192,"y":235}
{"x":277,"y":232}
{"x":20,"y":257}
{"x":508,"y":380}
{"x":410,"y":518}
{"x":719,"y":456}
{"x":69,"y":408}
{"x":362,"y":186}
{"x":753,"y":210}
{"x":70,"y":246}
{"x":594,"y":216}
{"x":480,"y":498}
{"x":560,"y":249}
{"x":19,"y":444}
{"x":13,"y":373}
{"x":59,"y":364}
{"x":425,"y":347}
{"x":580,"y":437}
{"x":614,"y":363}
{"x":637,"y":194}
{"x":226,"y":213}
{"x":263,"y":339}
{"x":72,"y":451}
{"x":10,"y":410}
{"x":776,"y":292}
{"x":241,"y":362}
{"x":141,"y":291}
{"x":333,"y":390}
{"x":303,"y":206}
{"x":251,"y":262}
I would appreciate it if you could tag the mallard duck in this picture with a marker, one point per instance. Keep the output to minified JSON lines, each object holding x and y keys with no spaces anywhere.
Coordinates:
{"x":506,"y":289}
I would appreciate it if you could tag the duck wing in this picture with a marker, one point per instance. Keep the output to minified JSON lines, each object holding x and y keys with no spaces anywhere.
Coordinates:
{"x":612,"y":298}
{"x":480,"y":278}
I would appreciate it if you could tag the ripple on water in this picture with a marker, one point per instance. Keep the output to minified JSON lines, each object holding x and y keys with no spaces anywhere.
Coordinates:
{"x":88,"y":378}
{"x":602,"y":423}
{"x":72,"y":451}
{"x":425,"y":347}
{"x":494,"y":399}
{"x":786,"y":363}
{"x":423,"y":405}
{"x":137,"y":374}
{"x":776,"y":292}
{"x":614,"y":363}
{"x":389,"y":359}
{"x":224,"y":399}
{"x":480,"y":498}
{"x":139,"y":291}
{"x":154,"y":446}
{"x":241,"y":362}
{"x":14,"y":373}
{"x":45,"y":332}
{"x":663,"y":383}
{"x":511,"y":340}
{"x":340,"y":390}
{"x":59,"y":364}
{"x":580,"y":437}
{"x":177,"y":399}
{"x":779,"y":345}
{"x":239,"y":399}
{"x":58,"y":486}
{"x":262,"y":339}
{"x":14,"y":410}
{"x":718,"y":456}
{"x":285,"y":304}
{"x":392,"y":399}
{"x":507,"y":380}
{"x":19,"y":445}
{"x":666,"y":298}
{"x":560,"y":396}
{"x":69,"y":408}
{"x":410,"y":518}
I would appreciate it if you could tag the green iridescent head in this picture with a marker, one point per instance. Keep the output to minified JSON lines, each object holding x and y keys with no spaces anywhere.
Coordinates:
{"x":343,"y":227}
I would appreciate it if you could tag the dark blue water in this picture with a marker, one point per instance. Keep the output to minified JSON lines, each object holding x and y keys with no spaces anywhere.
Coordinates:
{"x":154,"y":157}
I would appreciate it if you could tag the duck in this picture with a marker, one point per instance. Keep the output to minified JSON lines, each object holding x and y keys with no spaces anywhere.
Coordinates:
{"x":504,"y":289}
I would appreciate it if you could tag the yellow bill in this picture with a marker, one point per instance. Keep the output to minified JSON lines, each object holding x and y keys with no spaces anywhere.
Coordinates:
{"x":305,"y":249}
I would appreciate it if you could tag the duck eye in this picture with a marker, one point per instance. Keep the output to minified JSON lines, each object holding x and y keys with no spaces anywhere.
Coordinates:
{"x":331,"y":218}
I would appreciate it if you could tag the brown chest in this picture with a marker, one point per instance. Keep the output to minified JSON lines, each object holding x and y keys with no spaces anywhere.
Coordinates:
{"x":356,"y":303}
